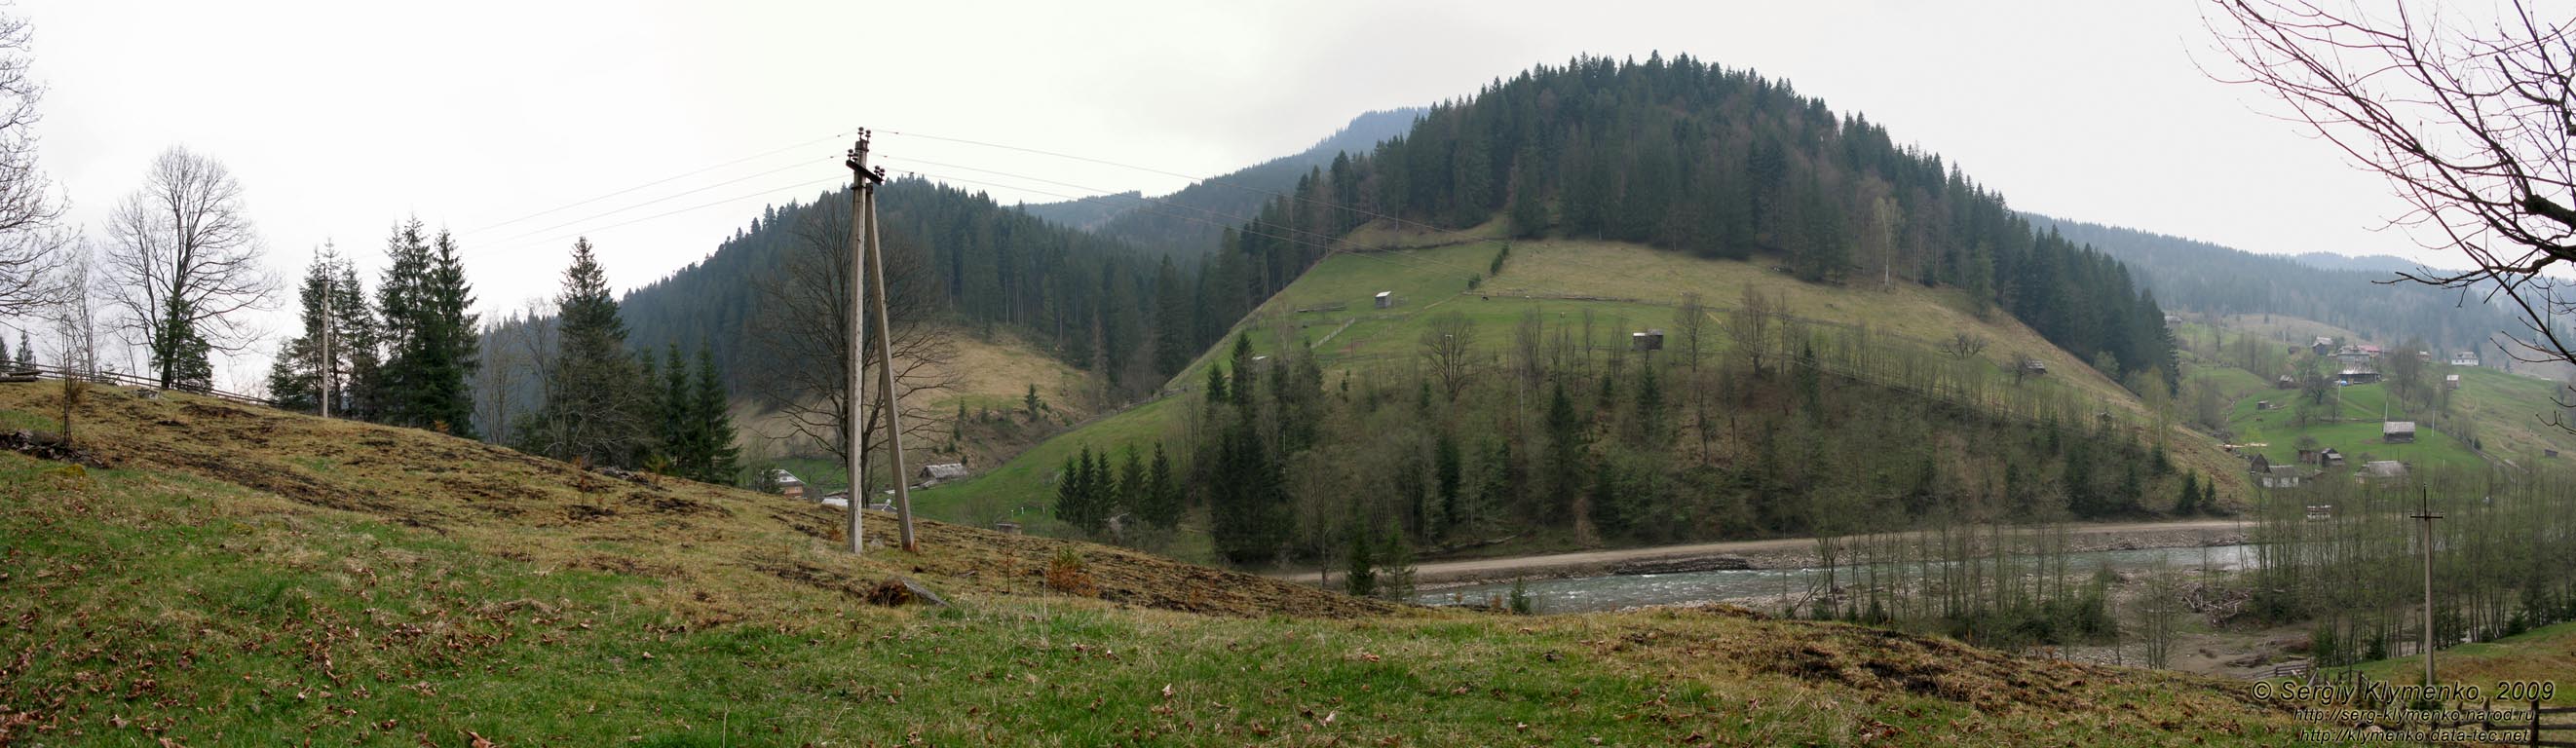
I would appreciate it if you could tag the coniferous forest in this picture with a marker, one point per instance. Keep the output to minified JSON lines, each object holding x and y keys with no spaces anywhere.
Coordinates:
{"x":1696,"y":158}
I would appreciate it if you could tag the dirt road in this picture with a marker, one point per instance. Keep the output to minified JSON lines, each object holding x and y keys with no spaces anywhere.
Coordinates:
{"x":1779,"y":552}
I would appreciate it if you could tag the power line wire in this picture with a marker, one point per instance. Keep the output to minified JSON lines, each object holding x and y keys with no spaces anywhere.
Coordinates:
{"x":676,"y":211}
{"x":663,"y":198}
{"x":690,"y":173}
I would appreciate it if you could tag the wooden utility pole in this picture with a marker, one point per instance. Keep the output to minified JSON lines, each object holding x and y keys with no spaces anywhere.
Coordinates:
{"x":863,"y":188}
{"x":868,"y":289}
{"x":884,"y":333}
{"x":2425,"y":513}
{"x":324,"y":394}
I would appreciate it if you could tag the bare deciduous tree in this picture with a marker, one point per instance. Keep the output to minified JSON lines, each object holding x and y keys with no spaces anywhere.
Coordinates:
{"x":183,"y":263}
{"x":2471,"y":121}
{"x":1964,"y":344}
{"x":1749,"y":326}
{"x":31,"y":233}
{"x":505,"y":359}
{"x":803,"y":326}
{"x":74,"y":314}
{"x":1690,"y":323}
{"x":1448,"y":347}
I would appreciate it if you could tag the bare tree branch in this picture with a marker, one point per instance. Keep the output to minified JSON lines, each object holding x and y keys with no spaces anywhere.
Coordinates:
{"x":183,"y":262}
{"x":32,"y":237}
{"x":802,"y":333}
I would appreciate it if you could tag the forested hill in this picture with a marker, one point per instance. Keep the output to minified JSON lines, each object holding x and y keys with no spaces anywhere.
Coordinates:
{"x":2204,"y":277}
{"x":956,"y":255}
{"x":1696,"y":158}
{"x":1187,"y":223}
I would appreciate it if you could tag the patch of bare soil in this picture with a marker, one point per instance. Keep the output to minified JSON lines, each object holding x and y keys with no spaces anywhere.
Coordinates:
{"x":1877,"y":659}
{"x":50,"y":446}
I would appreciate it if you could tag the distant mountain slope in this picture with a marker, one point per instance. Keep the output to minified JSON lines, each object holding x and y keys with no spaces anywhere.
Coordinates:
{"x":1187,"y":223}
{"x":2204,"y":277}
{"x":1086,"y":214}
{"x":2383,"y":264}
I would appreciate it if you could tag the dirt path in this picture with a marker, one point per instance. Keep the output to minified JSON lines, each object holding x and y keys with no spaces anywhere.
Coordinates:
{"x":1778,"y":552}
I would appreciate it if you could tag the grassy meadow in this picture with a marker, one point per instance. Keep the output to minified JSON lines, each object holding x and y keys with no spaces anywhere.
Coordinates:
{"x":240,"y":576}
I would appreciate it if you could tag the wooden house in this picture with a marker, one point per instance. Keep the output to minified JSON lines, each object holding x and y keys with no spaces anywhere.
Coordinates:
{"x":789,"y":485}
{"x":1650,"y":340}
{"x":937,"y":473}
{"x":2397,"y":432}
{"x":1385,"y":299}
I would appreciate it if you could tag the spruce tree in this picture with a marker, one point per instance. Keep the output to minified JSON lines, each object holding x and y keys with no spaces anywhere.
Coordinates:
{"x":295,"y":376}
{"x":450,"y":346}
{"x":357,"y":341}
{"x":26,"y":351}
{"x":2185,"y":506}
{"x":597,"y":404}
{"x":1565,"y":450}
{"x":1449,"y":473}
{"x":1360,"y":578}
{"x":1069,"y":496}
{"x":402,"y":300}
{"x":1162,"y":505}
{"x":718,"y":460}
{"x":1174,"y":345}
{"x":679,"y":448}
{"x":1131,"y":484}
{"x":1244,"y":376}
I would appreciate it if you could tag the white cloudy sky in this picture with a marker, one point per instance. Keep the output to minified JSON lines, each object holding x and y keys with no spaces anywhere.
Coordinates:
{"x":341,"y":118}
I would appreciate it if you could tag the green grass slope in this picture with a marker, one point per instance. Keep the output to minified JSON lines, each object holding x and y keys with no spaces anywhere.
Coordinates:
{"x":1624,"y":287}
{"x":247,"y":577}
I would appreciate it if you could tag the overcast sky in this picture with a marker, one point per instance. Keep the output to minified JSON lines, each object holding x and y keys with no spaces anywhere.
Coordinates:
{"x":342,"y":118}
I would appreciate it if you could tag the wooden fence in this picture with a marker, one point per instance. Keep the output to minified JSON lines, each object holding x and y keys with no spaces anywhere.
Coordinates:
{"x":2535,"y":729}
{"x":34,"y":373}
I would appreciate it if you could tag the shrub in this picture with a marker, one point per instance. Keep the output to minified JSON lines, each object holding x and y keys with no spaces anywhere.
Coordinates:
{"x":1067,"y":573}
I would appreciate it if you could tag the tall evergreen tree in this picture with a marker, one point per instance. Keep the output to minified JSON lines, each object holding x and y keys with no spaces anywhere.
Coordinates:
{"x":401,"y":297}
{"x":597,"y":405}
{"x":295,"y":376}
{"x":1071,"y":499}
{"x":1131,"y":484}
{"x":449,"y":345}
{"x":1162,"y":504}
{"x":716,"y":459}
{"x":1565,"y":450}
{"x":1449,"y":471}
{"x":357,"y":341}
{"x":675,"y":408}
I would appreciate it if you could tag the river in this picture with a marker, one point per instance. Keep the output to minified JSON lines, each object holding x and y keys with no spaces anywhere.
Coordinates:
{"x":1587,"y":594}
